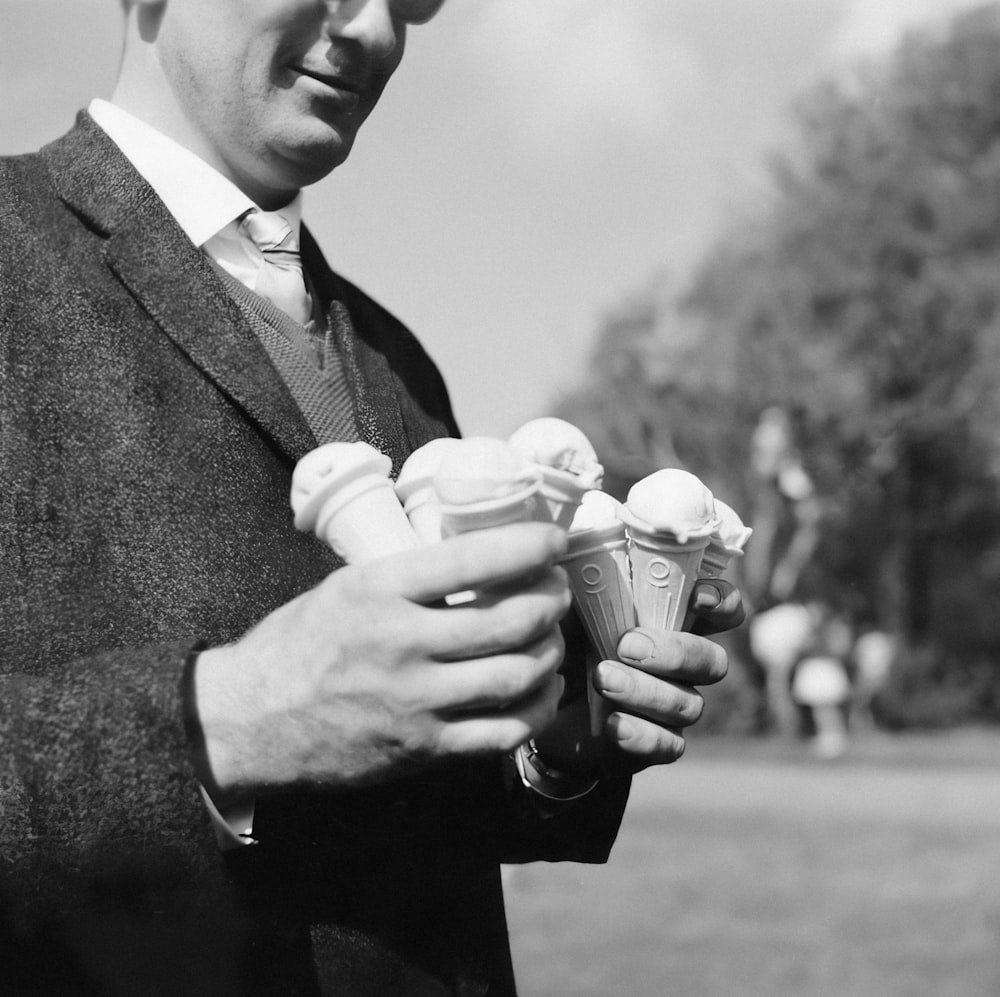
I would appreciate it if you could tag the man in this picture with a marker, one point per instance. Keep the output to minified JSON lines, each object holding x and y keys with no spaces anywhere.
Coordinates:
{"x":181,"y":667}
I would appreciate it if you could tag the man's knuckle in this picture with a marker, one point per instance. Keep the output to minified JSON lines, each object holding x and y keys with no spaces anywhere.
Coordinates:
{"x":511,"y":682}
{"x":692,"y":707}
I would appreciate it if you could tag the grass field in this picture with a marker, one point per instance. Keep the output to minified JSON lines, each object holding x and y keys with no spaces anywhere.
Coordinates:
{"x":751,"y":869}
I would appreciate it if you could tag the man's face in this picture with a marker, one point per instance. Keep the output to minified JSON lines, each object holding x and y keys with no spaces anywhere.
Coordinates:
{"x":272,"y":92}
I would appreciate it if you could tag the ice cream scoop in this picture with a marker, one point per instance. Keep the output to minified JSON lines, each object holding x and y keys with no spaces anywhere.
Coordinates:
{"x":415,"y":487}
{"x":342,"y":492}
{"x":597,"y":511}
{"x":560,"y":445}
{"x":674,"y":502}
{"x":566,"y":460}
{"x":669,"y":516}
{"x":482,"y":483}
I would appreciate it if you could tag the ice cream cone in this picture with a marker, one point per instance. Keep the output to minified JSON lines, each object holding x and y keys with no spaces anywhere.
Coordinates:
{"x":343,"y":494}
{"x":415,"y":488}
{"x":597,"y":566}
{"x":664,"y":571}
{"x":567,"y":462}
{"x":482,"y":483}
{"x":669,"y":516}
{"x":559,"y":496}
{"x":468,"y":516}
{"x":726,"y":543}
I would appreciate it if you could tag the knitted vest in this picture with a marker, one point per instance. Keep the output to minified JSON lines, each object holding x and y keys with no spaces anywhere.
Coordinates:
{"x":310,"y":365}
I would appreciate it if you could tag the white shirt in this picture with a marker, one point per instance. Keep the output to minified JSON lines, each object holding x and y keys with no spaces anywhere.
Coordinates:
{"x":207,"y":206}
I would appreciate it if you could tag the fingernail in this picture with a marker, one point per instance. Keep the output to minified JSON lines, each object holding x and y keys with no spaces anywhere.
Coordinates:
{"x":612,"y":679}
{"x":635,"y":646}
{"x":707,"y":597}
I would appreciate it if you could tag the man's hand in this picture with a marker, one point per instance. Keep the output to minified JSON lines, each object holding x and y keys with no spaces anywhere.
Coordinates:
{"x":651,"y":692}
{"x":369,"y":675}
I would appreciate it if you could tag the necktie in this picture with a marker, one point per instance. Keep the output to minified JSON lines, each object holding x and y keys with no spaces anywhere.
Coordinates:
{"x":280,"y":279}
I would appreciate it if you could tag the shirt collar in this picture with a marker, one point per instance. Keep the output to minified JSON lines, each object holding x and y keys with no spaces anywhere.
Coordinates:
{"x":200,"y":198}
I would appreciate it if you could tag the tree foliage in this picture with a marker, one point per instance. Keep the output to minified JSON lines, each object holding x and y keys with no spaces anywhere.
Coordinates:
{"x":862,"y":297}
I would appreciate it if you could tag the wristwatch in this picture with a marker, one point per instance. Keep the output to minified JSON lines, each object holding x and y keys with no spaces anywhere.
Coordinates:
{"x":549,"y":782}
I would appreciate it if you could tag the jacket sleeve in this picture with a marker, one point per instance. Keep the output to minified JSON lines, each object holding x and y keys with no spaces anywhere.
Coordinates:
{"x":97,"y":778}
{"x":581,"y":830}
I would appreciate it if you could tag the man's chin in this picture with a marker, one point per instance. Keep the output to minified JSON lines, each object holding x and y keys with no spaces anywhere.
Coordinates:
{"x":310,"y":158}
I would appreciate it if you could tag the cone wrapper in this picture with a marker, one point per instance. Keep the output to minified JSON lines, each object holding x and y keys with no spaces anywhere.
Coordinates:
{"x":597,"y":566}
{"x":664,"y":572}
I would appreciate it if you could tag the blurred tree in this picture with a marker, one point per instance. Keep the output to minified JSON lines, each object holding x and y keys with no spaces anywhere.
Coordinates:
{"x":862,"y":301}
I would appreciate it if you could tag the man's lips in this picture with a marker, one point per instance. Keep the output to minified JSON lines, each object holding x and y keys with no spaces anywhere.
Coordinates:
{"x":333,"y":81}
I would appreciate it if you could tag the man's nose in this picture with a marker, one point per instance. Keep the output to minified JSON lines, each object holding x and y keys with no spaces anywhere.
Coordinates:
{"x":369,"y":22}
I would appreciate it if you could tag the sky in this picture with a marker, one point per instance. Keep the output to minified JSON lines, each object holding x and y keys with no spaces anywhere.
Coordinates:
{"x":532,"y":165}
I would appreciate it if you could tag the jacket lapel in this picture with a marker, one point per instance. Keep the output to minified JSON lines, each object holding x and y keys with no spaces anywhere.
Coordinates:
{"x":173,"y":281}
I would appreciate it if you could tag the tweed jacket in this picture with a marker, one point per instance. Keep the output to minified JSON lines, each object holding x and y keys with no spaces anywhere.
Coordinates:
{"x":146,"y":450}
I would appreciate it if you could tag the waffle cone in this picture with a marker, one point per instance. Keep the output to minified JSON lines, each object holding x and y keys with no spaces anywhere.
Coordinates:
{"x":424,"y":513}
{"x":664,"y":572}
{"x":597,"y":567}
{"x":559,"y":496}
{"x":365,"y":521}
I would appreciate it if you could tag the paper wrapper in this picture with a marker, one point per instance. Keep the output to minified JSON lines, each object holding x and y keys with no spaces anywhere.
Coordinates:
{"x":664,"y":572}
{"x":597,"y":566}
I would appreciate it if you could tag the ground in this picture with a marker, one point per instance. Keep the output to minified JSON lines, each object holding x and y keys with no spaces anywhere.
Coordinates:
{"x":752,"y":869}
